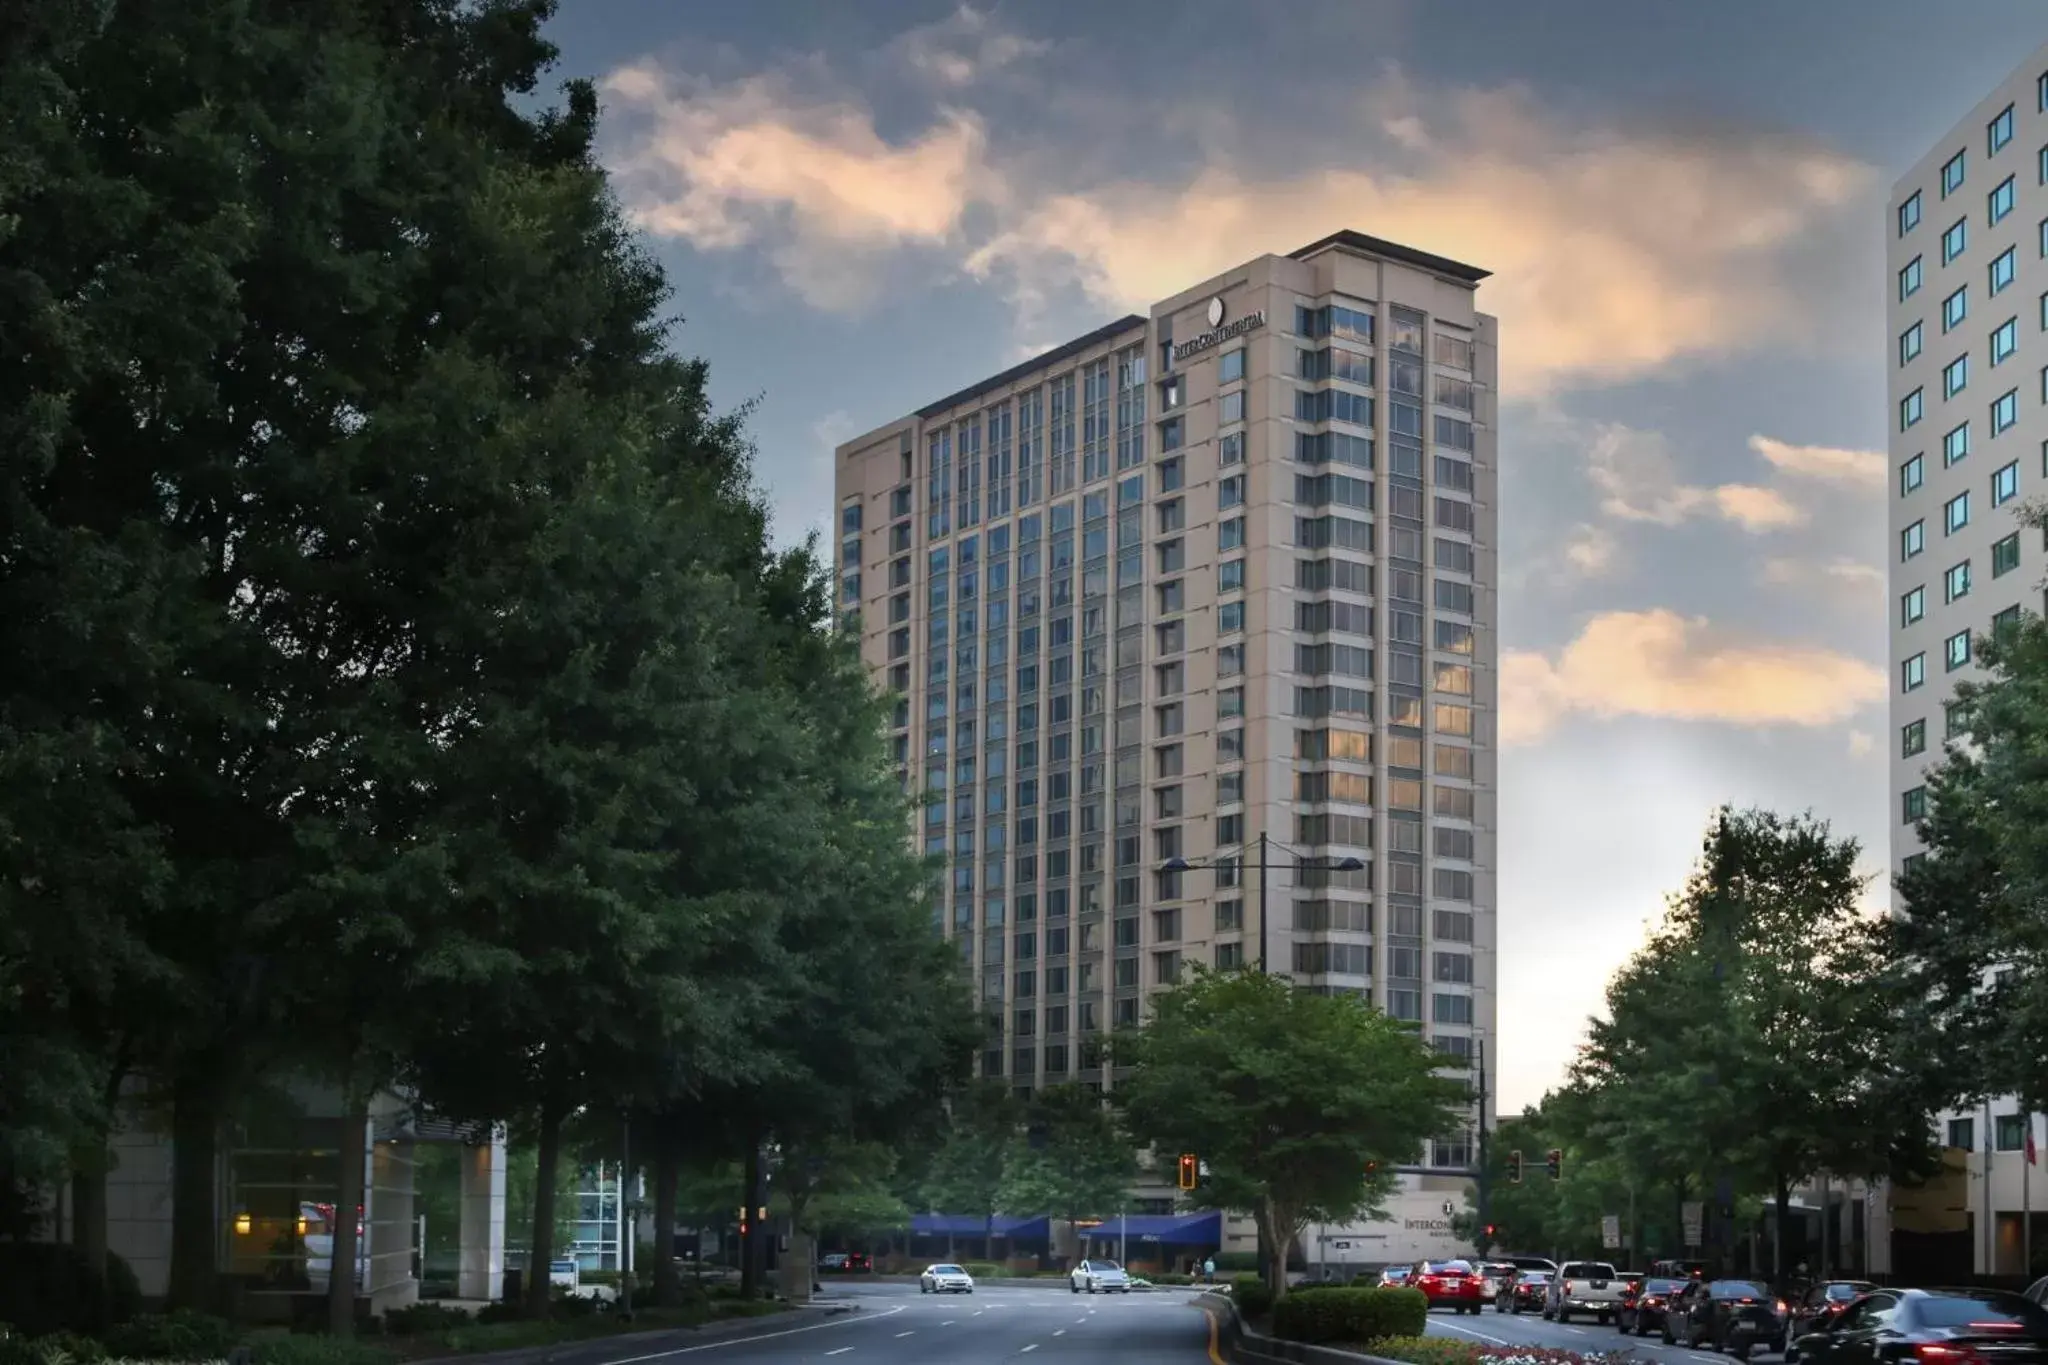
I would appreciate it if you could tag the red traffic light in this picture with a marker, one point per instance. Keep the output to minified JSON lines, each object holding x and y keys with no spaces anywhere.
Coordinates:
{"x":1190,"y":1170}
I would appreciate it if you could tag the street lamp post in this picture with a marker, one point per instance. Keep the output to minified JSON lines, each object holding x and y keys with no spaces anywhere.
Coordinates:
{"x":1264,"y":865}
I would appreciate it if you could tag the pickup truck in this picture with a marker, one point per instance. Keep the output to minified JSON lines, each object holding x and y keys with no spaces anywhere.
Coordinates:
{"x":1584,"y":1287}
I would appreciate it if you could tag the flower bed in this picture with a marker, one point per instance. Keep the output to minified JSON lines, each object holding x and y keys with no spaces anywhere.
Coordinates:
{"x":1449,"y":1351}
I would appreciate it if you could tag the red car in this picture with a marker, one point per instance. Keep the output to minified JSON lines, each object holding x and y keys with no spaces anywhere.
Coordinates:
{"x":1450,"y":1284}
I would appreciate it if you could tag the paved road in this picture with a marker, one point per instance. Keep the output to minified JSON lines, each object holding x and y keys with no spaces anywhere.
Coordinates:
{"x":1529,"y":1329}
{"x":895,"y":1325}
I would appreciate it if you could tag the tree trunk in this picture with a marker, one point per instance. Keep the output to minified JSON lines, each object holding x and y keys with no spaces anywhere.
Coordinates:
{"x":542,"y":1247}
{"x":1277,"y":1223}
{"x":667,"y":1284}
{"x":89,"y":1226}
{"x":750,"y":1239}
{"x":348,"y":1197}
{"x":195,"y":1195}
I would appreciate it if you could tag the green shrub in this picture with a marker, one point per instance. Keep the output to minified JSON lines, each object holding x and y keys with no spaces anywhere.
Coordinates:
{"x":500,"y":1311}
{"x":420,"y":1318}
{"x":1250,"y":1294}
{"x":1426,"y":1350}
{"x":71,"y":1347}
{"x":1330,"y":1314}
{"x":317,"y":1350}
{"x":1237,"y":1262}
{"x":182,"y":1335}
{"x":47,"y":1287}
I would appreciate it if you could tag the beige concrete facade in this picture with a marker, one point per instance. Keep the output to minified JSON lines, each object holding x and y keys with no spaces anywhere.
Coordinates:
{"x":1221,"y":571}
{"x":1966,"y":294}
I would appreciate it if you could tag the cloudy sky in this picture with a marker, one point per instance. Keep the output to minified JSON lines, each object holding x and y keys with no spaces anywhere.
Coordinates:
{"x":866,"y":206}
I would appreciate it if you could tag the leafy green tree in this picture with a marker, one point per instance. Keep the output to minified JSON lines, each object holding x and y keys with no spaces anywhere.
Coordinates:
{"x":1074,"y":1160}
{"x":969,"y":1169}
{"x":1975,"y":931}
{"x":1287,"y":1096}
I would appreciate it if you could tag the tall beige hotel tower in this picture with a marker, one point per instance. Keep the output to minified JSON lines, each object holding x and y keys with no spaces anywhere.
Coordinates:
{"x":1203,"y":583}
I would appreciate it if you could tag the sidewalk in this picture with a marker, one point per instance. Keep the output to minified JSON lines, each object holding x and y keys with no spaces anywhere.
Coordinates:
{"x":635,"y":1345}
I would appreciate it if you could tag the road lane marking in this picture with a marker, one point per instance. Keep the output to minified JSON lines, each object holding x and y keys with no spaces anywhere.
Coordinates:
{"x":1215,"y":1356}
{"x":840,"y":1351}
{"x":1032,"y":1347}
{"x":901,"y":1335}
{"x":947,"y":1323}
{"x":1059,"y":1331}
{"x":840,"y":1320}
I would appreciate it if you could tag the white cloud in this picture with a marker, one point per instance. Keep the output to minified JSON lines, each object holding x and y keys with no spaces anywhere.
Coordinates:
{"x":1590,"y":550}
{"x":1660,"y":664}
{"x":1636,"y":474}
{"x":1617,"y":251}
{"x":1862,"y":744}
{"x":1855,"y":579}
{"x":1832,"y":464}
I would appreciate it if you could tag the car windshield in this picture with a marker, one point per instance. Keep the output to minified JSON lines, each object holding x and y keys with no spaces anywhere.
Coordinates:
{"x":1994,"y":1311}
{"x":1588,"y":1270}
{"x":1842,"y":1293}
{"x":1663,"y":1286}
{"x":1737,"y":1289}
{"x":1105,"y":1265}
{"x":1447,"y":1268}
{"x":947,"y":1270}
{"x":1535,"y":1277}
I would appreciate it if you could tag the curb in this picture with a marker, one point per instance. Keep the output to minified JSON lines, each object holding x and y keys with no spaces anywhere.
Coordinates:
{"x":1240,"y":1345}
{"x":632,"y":1345}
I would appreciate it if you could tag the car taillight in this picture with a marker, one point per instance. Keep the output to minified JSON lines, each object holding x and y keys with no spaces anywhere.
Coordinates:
{"x":1934,"y":1353}
{"x":1781,"y":1305}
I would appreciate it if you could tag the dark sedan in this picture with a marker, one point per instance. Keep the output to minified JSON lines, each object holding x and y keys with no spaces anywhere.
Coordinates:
{"x":1932,"y":1327}
{"x":1524,"y":1293}
{"x":1643,"y":1304}
{"x":1820,"y":1304}
{"x":1736,"y":1316}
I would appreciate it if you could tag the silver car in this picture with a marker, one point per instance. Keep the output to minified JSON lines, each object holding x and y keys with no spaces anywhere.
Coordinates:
{"x":945,"y":1278}
{"x":1099,"y":1277}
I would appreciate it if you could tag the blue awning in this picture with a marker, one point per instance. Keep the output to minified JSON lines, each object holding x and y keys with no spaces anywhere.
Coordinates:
{"x":1204,"y":1229}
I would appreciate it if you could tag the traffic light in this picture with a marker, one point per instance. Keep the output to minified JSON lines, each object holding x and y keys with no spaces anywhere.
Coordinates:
{"x":1556,"y":1163}
{"x":1514,"y":1168}
{"x":1490,"y":1230}
{"x":1372,"y":1168}
{"x":1190,"y":1169}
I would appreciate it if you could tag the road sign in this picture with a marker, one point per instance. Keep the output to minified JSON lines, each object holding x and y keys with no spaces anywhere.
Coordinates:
{"x":1693,"y":1214}
{"x":1610,"y":1231}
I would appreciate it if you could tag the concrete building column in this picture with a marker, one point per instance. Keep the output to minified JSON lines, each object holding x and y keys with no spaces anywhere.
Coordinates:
{"x":480,"y":1270}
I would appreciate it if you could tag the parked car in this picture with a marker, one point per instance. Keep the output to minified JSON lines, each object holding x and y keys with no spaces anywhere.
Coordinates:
{"x":1644,"y":1301}
{"x":1099,"y":1277}
{"x":1525,"y":1294}
{"x":1584,"y":1287}
{"x":1736,"y":1316}
{"x":1944,"y":1326}
{"x":1393,"y":1276}
{"x":1449,"y":1284}
{"x":945,"y":1278}
{"x":1496,"y":1276}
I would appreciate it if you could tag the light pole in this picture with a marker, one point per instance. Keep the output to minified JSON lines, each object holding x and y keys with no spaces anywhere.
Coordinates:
{"x":1264,"y":865}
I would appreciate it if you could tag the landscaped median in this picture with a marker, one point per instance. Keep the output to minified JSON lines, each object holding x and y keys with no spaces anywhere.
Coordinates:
{"x":413,"y":1336}
{"x":1341,"y":1325}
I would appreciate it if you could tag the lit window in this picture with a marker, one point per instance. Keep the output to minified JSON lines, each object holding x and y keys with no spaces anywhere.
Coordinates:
{"x":1909,"y":214}
{"x":1913,"y":540}
{"x":2004,"y":268}
{"x":1952,"y":175}
{"x":1955,"y":308}
{"x":1999,"y":131}
{"x":1955,"y":445}
{"x":1955,"y":376}
{"x":2005,"y":555}
{"x":1999,"y":202}
{"x":1955,"y":241}
{"x":1909,"y":343}
{"x":1955,"y":513}
{"x":2005,"y":410}
{"x":1912,"y":606}
{"x":2005,"y":340}
{"x":1955,"y":650}
{"x":1956,"y":583}
{"x":1912,"y":673}
{"x":2005,"y":484}
{"x":1909,"y":278}
{"x":1911,"y":475}
{"x":1911,"y":409}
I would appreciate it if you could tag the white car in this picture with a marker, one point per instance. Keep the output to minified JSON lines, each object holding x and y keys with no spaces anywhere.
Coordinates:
{"x":945,"y":1278}
{"x":1099,"y":1277}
